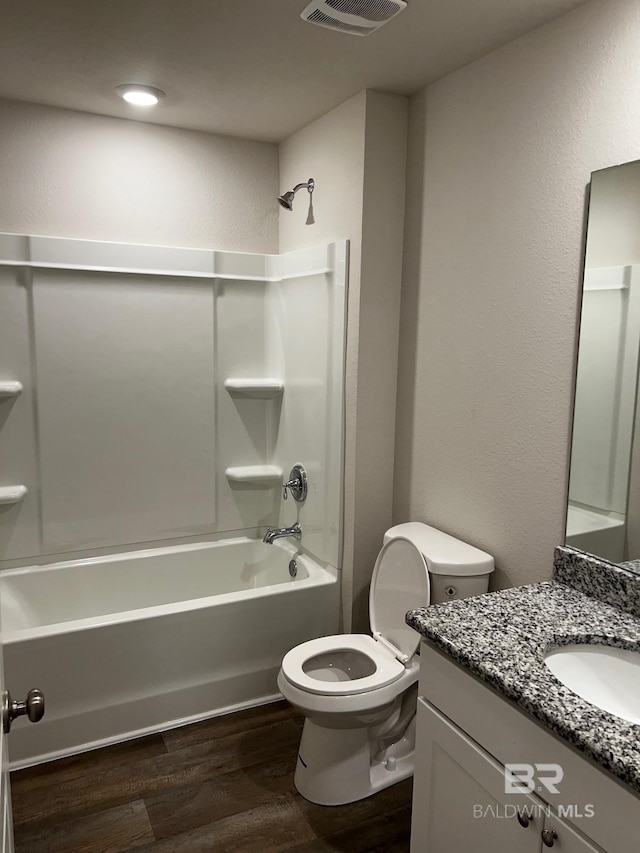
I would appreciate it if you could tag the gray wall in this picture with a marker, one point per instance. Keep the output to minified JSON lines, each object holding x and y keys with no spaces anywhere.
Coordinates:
{"x":71,"y":174}
{"x":500,"y":155}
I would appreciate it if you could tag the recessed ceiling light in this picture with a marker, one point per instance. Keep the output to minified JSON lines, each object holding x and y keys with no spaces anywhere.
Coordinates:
{"x":140,"y":96}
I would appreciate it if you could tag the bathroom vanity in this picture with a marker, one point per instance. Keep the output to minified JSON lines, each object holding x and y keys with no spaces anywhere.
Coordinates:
{"x":508,"y":758}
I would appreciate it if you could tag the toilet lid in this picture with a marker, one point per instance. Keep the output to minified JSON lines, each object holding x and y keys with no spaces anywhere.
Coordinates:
{"x":400,"y":582}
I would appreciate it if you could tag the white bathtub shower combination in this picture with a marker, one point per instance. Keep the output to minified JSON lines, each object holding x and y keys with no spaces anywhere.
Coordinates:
{"x":128,"y":644}
{"x":157,"y":398}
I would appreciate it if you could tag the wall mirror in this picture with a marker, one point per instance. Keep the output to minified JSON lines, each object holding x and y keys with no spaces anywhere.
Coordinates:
{"x":603,"y":514}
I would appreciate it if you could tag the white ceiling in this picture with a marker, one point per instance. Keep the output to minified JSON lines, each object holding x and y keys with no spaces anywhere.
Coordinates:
{"x":250,"y":68}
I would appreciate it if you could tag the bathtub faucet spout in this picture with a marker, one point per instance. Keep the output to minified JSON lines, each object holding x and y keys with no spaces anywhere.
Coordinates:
{"x":273,"y":533}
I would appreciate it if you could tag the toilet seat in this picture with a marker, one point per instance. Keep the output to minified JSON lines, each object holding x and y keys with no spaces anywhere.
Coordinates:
{"x":400,"y":578}
{"x":387,"y":668}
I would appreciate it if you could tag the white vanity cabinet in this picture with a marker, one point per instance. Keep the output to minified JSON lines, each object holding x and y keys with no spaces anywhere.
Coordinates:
{"x":466,"y":733}
{"x":460,"y":804}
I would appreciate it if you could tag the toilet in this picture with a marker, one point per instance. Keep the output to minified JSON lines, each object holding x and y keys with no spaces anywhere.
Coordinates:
{"x":358,"y":692}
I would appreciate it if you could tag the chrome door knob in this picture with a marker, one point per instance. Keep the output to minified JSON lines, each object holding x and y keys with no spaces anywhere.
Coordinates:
{"x":32,"y":707}
{"x":549,"y":837}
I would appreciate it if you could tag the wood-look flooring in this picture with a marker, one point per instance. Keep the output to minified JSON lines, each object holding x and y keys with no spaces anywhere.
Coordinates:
{"x":214,"y":787}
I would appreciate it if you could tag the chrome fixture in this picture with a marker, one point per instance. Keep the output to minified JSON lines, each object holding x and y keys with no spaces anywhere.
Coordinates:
{"x":286,"y":199}
{"x":33,"y":708}
{"x":273,"y":533}
{"x":297,"y":484}
{"x":293,"y":568}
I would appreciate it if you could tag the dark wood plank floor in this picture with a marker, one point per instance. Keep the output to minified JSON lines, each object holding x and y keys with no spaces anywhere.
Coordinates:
{"x":221,"y":785}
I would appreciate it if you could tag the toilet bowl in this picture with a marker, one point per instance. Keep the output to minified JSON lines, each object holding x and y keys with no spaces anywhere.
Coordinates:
{"x":358,"y":692}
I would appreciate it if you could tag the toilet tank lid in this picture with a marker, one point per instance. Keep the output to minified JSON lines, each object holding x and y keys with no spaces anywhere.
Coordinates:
{"x":445,"y":555}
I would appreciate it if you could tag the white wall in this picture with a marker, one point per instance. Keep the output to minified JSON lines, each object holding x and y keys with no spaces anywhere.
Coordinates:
{"x":356,"y":154}
{"x":378,"y":333}
{"x":70,"y":174}
{"x":500,"y":155}
{"x":108,"y":179}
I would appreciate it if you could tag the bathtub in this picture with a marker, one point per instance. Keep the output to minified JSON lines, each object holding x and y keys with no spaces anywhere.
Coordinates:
{"x":129,"y":644}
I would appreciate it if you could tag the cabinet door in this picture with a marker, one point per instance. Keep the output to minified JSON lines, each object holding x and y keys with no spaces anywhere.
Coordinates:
{"x":564,"y":839}
{"x":459,"y":799}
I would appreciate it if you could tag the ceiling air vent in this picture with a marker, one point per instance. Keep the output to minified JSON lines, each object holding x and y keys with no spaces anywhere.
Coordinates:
{"x":356,"y":17}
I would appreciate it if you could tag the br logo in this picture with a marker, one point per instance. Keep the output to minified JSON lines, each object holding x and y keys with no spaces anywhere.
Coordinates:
{"x":527,"y":778}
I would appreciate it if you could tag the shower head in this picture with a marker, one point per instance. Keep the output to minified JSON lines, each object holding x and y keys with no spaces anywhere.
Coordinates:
{"x":286,"y":199}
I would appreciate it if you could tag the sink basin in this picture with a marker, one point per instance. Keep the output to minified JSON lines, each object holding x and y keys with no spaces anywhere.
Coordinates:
{"x":606,"y":676}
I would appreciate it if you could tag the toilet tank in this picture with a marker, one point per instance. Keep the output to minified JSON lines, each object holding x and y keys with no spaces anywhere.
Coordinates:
{"x":456,"y":569}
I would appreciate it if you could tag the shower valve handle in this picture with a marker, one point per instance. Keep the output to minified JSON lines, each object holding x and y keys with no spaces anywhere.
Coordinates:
{"x":297,"y":484}
{"x":292,"y":484}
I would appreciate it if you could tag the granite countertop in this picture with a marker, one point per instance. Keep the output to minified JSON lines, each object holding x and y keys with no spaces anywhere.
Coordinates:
{"x":502,"y":638}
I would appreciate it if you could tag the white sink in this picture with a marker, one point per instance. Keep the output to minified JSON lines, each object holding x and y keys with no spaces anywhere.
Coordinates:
{"x":606,"y":676}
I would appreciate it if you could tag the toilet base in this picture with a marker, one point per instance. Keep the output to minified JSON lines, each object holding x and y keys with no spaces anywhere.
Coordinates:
{"x":336,"y":766}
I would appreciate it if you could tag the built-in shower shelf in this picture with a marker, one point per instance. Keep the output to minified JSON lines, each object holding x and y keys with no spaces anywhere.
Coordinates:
{"x":12,"y":494}
{"x":261,"y":389}
{"x":255,"y":475}
{"x":10,"y":388}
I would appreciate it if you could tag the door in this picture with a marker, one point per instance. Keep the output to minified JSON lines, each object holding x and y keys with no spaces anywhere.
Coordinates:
{"x":459,"y":799}
{"x":33,"y":708}
{"x":5,"y":785}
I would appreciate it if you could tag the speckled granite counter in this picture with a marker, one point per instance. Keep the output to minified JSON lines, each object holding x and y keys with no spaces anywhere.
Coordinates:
{"x":502,"y":638}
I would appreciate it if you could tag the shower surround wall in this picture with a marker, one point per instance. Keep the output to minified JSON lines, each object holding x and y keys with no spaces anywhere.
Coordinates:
{"x":125,"y":433}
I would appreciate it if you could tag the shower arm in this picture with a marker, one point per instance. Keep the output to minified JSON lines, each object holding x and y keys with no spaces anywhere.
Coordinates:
{"x":309,"y":185}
